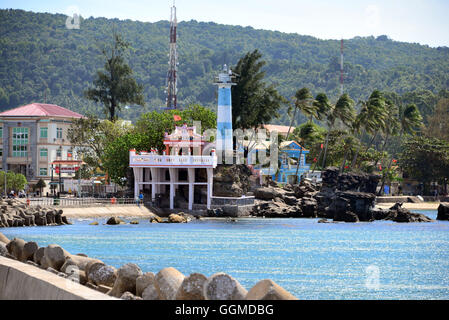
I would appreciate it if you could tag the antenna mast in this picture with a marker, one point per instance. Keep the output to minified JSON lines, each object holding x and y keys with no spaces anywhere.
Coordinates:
{"x":341,"y":68}
{"x":173,"y":62}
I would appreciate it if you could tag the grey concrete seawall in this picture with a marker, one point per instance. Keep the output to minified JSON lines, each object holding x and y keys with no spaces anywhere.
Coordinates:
{"x":20,"y":281}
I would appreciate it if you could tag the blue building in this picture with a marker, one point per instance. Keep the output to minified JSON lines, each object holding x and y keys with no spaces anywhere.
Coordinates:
{"x":289,"y":152}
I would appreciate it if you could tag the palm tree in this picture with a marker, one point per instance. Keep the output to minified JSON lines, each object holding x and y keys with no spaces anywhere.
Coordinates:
{"x":410,"y":120}
{"x":305,"y":103}
{"x":391,"y":127}
{"x":370,"y":119}
{"x":322,"y":107}
{"x":303,"y":100}
{"x":342,"y":110}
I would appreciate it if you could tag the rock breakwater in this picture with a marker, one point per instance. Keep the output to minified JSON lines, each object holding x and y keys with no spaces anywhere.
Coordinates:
{"x":130,"y":283}
{"x":14,"y":213}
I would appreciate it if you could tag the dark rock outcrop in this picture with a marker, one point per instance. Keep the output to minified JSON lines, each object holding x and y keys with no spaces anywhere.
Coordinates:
{"x":114,"y":221}
{"x":398,"y":214}
{"x":443,"y":211}
{"x":348,"y":197}
{"x":231,"y":180}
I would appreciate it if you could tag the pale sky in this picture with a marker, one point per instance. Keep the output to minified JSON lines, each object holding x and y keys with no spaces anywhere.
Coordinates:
{"x":422,"y":21}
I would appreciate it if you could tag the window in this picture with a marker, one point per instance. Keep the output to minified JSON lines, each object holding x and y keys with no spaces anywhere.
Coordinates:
{"x":1,"y":132}
{"x":44,"y":152}
{"x":44,"y":132}
{"x":42,"y":171}
{"x":20,"y":142}
{"x":59,"y":152}
{"x":59,"y":133}
{"x":1,"y":152}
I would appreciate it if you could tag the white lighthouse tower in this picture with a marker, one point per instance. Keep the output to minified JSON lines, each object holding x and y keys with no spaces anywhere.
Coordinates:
{"x":224,"y":145}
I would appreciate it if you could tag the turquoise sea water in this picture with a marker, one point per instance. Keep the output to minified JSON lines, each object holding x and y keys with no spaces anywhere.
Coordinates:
{"x":378,"y":260}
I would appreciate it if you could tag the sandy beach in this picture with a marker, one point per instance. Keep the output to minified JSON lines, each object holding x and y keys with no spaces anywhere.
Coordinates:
{"x":107,"y":211}
{"x":412,"y":206}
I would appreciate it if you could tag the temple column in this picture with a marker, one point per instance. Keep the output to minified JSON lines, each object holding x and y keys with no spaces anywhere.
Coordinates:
{"x":191,"y":174}
{"x":210,"y":179}
{"x":154,"y":179}
{"x":147,"y":177}
{"x":137,"y":180}
{"x":172,"y":187}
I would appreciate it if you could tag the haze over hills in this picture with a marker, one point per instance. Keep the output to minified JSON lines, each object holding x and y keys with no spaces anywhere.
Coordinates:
{"x":42,"y":60}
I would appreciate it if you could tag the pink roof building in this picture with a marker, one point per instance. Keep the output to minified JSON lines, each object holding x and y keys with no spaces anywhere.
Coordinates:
{"x":40,"y":110}
{"x":33,"y":136}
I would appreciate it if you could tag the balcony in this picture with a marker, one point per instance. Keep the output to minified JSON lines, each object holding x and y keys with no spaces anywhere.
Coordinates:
{"x":154,"y":160}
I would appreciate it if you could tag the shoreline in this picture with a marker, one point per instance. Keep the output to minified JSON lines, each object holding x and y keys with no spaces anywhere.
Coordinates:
{"x":143,"y":212}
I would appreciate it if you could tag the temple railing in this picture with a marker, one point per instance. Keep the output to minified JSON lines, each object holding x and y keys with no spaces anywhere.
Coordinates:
{"x":141,"y":160}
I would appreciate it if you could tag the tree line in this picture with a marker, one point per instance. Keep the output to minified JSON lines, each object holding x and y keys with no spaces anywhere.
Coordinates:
{"x":43,"y":61}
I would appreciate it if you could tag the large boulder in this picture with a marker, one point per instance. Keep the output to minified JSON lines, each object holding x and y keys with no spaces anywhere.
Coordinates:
{"x":3,"y":238}
{"x":192,"y":287}
{"x":269,"y":290}
{"x":398,"y":214}
{"x":221,"y":286}
{"x":267,"y":193}
{"x":3,"y":249}
{"x":176,"y":218}
{"x":15,"y":248}
{"x":126,"y":280}
{"x":55,"y":256}
{"x":129,"y":296}
{"x":230,"y":180}
{"x":101,"y":274}
{"x":115,"y":221}
{"x":443,"y":211}
{"x":168,"y":281}
{"x":276,"y":209}
{"x":404,"y":215}
{"x":143,"y":281}
{"x":38,"y":254}
{"x":309,"y":207}
{"x":150,"y":292}
{"x":28,"y":250}
{"x":81,"y":262}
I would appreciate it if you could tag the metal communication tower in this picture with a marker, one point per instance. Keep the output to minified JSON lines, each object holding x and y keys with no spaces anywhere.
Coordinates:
{"x":341,"y":68}
{"x":173,"y":62}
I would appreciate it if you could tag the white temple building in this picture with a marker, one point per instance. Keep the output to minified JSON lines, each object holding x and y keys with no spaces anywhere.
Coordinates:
{"x":186,"y":153}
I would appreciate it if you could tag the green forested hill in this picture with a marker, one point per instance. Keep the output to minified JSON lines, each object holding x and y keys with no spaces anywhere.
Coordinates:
{"x":42,"y":60}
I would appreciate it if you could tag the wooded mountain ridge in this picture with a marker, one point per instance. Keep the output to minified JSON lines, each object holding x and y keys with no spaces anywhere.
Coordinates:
{"x":43,"y":61}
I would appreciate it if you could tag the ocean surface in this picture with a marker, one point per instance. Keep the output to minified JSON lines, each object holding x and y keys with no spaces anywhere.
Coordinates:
{"x":377,"y":260}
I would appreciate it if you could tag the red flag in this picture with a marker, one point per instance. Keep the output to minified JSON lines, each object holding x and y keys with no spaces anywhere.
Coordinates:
{"x":176,"y":117}
{"x":321,"y":146}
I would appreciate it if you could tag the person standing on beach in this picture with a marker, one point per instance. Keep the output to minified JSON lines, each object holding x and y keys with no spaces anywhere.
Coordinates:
{"x":140,"y":198}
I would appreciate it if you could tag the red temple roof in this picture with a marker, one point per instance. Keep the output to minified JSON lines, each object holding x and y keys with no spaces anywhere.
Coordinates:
{"x":40,"y":110}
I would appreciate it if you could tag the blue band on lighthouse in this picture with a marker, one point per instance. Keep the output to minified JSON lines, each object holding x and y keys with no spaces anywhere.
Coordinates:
{"x":224,"y":114}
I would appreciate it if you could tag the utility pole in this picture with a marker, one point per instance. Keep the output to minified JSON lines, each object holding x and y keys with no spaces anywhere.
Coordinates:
{"x":341,"y":68}
{"x":172,"y":99}
{"x":5,"y":183}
